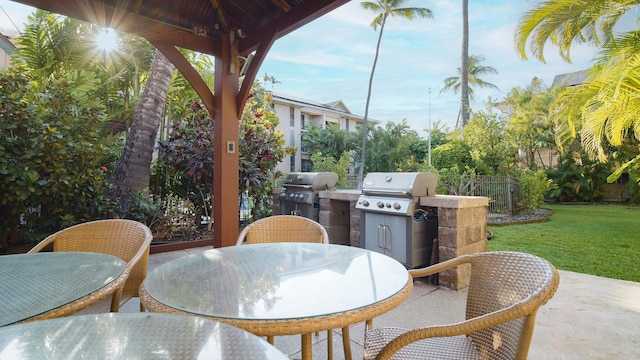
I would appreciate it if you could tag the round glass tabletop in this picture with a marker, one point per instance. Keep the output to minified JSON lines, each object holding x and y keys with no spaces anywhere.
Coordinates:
{"x":276,"y":281}
{"x":33,"y":284}
{"x":132,"y":336}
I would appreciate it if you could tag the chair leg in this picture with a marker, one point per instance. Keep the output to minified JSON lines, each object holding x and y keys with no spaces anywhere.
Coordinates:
{"x":115,"y":300}
{"x":346,"y":343}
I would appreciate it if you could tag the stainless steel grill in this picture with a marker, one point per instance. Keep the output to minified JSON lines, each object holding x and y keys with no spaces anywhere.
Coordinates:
{"x":300,"y":195}
{"x":392,"y":221}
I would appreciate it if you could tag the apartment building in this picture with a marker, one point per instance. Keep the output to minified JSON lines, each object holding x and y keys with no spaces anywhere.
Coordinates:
{"x":297,"y":115}
{"x":6,"y":49}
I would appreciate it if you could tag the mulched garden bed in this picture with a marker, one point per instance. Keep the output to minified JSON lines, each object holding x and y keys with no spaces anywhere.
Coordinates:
{"x":525,"y":217}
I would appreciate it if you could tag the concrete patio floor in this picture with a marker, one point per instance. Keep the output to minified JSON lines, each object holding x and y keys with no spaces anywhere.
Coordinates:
{"x":589,"y":317}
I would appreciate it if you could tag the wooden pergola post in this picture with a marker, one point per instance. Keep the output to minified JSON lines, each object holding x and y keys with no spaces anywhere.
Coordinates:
{"x":225,"y":154}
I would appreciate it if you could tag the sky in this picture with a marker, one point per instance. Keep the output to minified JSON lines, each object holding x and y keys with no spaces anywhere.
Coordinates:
{"x":330,"y":59}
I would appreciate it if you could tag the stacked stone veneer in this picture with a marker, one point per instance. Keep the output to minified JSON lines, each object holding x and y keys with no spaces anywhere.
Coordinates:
{"x":338,"y":214}
{"x":462,"y":229}
{"x":462,"y":226}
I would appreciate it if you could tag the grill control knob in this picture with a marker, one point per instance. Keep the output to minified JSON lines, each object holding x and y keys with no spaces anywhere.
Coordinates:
{"x":380,"y":204}
{"x":388,"y":205}
{"x":365,"y":203}
{"x":396,"y":206}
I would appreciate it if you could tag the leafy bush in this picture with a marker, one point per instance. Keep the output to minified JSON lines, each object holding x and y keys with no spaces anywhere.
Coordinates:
{"x":577,"y":178}
{"x":185,"y":168}
{"x":328,"y":163}
{"x":53,"y":159}
{"x":262,"y":148}
{"x":177,"y":219}
{"x":533,"y":187}
{"x":454,"y":154}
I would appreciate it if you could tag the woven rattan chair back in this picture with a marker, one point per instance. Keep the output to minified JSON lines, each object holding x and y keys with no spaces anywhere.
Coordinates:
{"x":127,"y":239}
{"x":283,"y":228}
{"x":499,"y":281}
{"x":505,"y":291}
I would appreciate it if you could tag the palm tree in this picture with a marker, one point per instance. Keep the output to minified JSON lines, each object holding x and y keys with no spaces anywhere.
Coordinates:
{"x":474,"y":70}
{"x":132,"y":170}
{"x":383,"y":9}
{"x":464,"y":66}
{"x":604,"y":109}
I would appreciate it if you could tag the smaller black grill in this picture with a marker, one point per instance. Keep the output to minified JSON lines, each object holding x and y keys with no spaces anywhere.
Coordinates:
{"x":300,"y":195}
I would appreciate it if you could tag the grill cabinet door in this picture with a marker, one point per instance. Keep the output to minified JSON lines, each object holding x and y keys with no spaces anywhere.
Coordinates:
{"x":387,"y":234}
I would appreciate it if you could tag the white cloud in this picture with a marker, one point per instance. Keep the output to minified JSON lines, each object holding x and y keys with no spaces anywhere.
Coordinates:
{"x":331,"y":59}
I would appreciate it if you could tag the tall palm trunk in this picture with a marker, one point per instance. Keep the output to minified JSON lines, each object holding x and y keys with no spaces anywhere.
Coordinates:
{"x":133,"y":169}
{"x":365,"y":126}
{"x":464,"y":80}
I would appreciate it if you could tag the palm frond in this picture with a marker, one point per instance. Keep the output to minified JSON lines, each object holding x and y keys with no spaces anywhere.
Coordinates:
{"x":604,"y":110}
{"x":564,"y":23}
{"x":411,"y":13}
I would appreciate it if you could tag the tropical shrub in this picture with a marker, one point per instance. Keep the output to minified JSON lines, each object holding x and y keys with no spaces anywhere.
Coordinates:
{"x":185,"y":166}
{"x":330,"y":141}
{"x":454,"y":155}
{"x":262,"y":147}
{"x":533,"y":187}
{"x":53,"y":159}
{"x":328,"y":163}
{"x":490,"y":147}
{"x":578,"y":179}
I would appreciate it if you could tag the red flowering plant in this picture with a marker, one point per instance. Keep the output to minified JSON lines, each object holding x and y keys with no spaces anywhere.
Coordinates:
{"x":186,"y":156}
{"x":185,"y":164}
{"x":262,"y":147}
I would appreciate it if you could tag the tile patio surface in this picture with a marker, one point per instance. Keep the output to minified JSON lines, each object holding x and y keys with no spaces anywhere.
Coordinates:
{"x":589,"y":317}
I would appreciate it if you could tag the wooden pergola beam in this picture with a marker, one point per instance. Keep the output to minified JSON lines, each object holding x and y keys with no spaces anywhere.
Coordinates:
{"x":189,"y":72}
{"x":288,"y":22}
{"x":221,"y":16}
{"x":104,"y":15}
{"x":282,"y":4}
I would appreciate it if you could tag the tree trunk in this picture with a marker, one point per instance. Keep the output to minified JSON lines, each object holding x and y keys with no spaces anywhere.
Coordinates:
{"x":365,"y":126}
{"x":133,"y":169}
{"x":464,"y":67}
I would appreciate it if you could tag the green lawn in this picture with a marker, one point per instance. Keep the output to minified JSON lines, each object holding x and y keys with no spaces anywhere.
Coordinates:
{"x":601,"y":240}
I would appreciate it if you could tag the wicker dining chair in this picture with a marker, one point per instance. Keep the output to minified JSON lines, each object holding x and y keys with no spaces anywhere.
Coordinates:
{"x":283,"y":228}
{"x":127,"y":239}
{"x":289,"y":228}
{"x":505,"y":291}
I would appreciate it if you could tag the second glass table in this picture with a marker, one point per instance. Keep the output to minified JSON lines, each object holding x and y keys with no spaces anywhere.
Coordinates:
{"x":280,"y":288}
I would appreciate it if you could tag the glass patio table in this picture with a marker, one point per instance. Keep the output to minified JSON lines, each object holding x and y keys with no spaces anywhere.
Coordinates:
{"x":279,"y":288}
{"x":53,"y":284}
{"x":132,"y":336}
